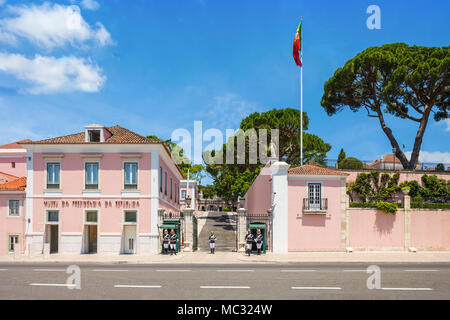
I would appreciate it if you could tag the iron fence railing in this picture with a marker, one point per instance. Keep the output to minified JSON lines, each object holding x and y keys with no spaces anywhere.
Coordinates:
{"x":314,"y":204}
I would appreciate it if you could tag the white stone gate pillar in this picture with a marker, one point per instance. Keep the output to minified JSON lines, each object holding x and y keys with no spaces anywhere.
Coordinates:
{"x":280,"y":207}
{"x":188,"y":214}
{"x":160,"y":232}
{"x":241,"y":229}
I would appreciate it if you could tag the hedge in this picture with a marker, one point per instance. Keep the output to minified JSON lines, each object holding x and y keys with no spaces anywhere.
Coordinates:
{"x":431,"y":205}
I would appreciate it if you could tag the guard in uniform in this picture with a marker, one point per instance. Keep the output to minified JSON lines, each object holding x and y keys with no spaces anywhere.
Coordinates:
{"x":212,"y":242}
{"x":249,"y":242}
{"x":173,"y":242}
{"x":259,"y":240}
{"x":166,"y":241}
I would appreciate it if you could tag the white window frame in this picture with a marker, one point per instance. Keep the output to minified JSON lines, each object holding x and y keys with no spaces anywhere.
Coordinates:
{"x":183,"y":194}
{"x":127,"y":223}
{"x":52,"y":222}
{"x":52,"y":162}
{"x":9,"y":241}
{"x":90,"y":162}
{"x":19,"y":210}
{"x":160,"y":179}
{"x":125,"y":162}
{"x":165,"y":183}
{"x":86,"y":222}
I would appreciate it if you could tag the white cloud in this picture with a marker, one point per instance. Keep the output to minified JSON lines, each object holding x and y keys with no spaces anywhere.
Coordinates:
{"x":90,"y":4}
{"x":232,"y":108}
{"x":447,"y":123}
{"x":433,"y":157}
{"x":52,"y":75}
{"x":51,"y":26}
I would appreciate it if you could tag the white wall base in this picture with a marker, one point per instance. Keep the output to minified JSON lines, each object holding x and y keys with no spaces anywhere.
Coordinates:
{"x":110,"y":244}
{"x":148,"y":244}
{"x":71,"y":243}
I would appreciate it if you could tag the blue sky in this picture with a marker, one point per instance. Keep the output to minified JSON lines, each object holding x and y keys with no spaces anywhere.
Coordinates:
{"x":155,"y":66}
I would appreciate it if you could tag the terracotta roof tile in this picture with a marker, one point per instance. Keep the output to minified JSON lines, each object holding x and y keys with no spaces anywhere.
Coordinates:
{"x":6,"y":177}
{"x":119,"y":135}
{"x":308,"y":169}
{"x":9,"y":176}
{"x":18,"y":184}
{"x":14,"y":145}
{"x":389,"y":158}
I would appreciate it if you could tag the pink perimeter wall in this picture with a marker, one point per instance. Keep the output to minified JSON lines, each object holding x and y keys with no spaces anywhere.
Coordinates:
{"x":314,"y":231}
{"x":373,"y":228}
{"x":258,"y":198}
{"x":430,"y":229}
{"x":11,"y":225}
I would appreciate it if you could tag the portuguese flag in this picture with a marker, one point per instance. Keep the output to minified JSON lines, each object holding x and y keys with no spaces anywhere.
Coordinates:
{"x":297,"y":45}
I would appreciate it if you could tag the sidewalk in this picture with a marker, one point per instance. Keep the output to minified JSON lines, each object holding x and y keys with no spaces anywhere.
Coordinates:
{"x":240,"y":258}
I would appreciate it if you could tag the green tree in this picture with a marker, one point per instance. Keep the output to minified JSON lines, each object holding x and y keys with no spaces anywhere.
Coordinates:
{"x":351,"y":163}
{"x":342,"y":155}
{"x":196,"y":171}
{"x":409,"y":82}
{"x":440,"y":167}
{"x":233,"y":180}
{"x":209,"y":191}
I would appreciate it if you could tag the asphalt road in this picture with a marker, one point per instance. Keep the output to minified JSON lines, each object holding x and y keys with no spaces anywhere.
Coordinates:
{"x":230,"y":282}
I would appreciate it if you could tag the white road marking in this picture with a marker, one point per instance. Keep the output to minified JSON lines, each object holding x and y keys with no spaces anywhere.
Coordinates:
{"x":224,"y":287}
{"x":134,"y":286}
{"x":3,"y":269}
{"x":298,"y":270}
{"x":420,"y":270}
{"x":52,"y":284}
{"x":235,"y":270}
{"x":173,"y":270}
{"x":408,"y":289}
{"x":48,"y":270}
{"x":109,"y":270}
{"x":316,"y":288}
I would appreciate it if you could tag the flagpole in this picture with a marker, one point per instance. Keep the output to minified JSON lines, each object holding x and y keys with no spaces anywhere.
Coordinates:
{"x":301,"y":93}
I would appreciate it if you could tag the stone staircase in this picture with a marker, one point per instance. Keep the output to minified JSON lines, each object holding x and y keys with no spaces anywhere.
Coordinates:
{"x":224,"y":226}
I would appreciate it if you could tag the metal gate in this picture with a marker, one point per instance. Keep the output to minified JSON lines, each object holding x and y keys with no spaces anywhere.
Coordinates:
{"x":195,"y":233}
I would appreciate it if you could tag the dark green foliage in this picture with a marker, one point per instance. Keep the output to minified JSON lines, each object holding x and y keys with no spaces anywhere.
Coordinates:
{"x":371,"y":187}
{"x":341,"y":156}
{"x":409,"y":82}
{"x":388,"y":207}
{"x":430,"y":205}
{"x":209,"y":191}
{"x":440,"y":167}
{"x":351,"y":163}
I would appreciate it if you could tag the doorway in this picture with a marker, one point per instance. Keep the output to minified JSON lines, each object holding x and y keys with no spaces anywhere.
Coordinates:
{"x":91,"y":238}
{"x":129,"y":239}
{"x":52,"y":237}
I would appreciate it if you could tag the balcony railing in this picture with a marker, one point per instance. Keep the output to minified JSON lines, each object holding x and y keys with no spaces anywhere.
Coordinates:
{"x":321,"y":205}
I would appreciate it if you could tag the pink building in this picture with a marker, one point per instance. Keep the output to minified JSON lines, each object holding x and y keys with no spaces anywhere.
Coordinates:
{"x":306,"y":204}
{"x":12,"y":216}
{"x":97,"y":191}
{"x":306,"y":209}
{"x":13,"y":162}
